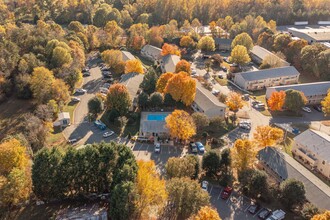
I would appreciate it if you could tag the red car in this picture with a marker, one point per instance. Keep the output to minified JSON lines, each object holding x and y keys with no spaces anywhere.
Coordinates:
{"x":226,"y":192}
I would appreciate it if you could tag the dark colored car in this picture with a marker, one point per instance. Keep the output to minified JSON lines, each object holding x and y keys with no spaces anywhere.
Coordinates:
{"x":226,"y":192}
{"x":193,"y":147}
{"x":254,"y":208}
{"x":72,"y":141}
{"x":318,"y":108}
{"x":264,"y":213}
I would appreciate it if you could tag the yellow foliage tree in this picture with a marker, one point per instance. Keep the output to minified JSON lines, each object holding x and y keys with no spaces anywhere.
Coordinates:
{"x":323,"y":216}
{"x":206,"y":213}
{"x":234,"y":101}
{"x":187,"y":42}
{"x":150,"y":189}
{"x":133,"y":66}
{"x":162,"y":82}
{"x":184,"y":66}
{"x":326,"y":104}
{"x":41,"y":84}
{"x":267,"y":136}
{"x":112,"y":57}
{"x":276,"y":101}
{"x":12,"y":155}
{"x":60,"y":91}
{"x":240,"y":55}
{"x":170,"y":49}
{"x":243,"y":154}
{"x":181,"y":125}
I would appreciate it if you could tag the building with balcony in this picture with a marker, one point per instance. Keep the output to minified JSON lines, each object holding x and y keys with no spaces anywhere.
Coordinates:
{"x":314,"y":92}
{"x":261,"y":79}
{"x":312,"y":148}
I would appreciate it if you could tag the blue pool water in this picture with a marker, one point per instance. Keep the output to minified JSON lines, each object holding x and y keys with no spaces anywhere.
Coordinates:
{"x":156,"y":117}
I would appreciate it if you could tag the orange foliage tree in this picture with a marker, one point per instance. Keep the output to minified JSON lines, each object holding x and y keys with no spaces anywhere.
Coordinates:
{"x":181,"y":125}
{"x":170,"y":49}
{"x":133,"y":66}
{"x":162,"y":81}
{"x":267,"y":136}
{"x":276,"y":101}
{"x":184,"y":66}
{"x":234,"y":101}
{"x":243,"y":154}
{"x":138,"y":42}
{"x":323,"y":216}
{"x":206,"y":213}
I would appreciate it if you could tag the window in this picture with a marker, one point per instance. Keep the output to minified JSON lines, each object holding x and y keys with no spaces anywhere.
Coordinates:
{"x":323,"y":162}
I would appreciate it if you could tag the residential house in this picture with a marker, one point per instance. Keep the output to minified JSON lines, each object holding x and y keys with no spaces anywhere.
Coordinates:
{"x":207,"y":103}
{"x":281,"y":166}
{"x":127,"y":56}
{"x":258,"y":54}
{"x":63,"y":119}
{"x":168,"y":63}
{"x":258,"y":80}
{"x":151,"y":52}
{"x":314,"y":92}
{"x":153,"y":124}
{"x":223,"y":43}
{"x":311,"y":35}
{"x":313,"y":149}
{"x":132,"y":82}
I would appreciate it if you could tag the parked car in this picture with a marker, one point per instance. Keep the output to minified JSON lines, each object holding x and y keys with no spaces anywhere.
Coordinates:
{"x":100,"y":124}
{"x":104,"y":90}
{"x":193,"y":147}
{"x":318,"y":108}
{"x":246,"y":97}
{"x":106,"y":85}
{"x":193,"y":72}
{"x":277,"y":215}
{"x":86,"y":73}
{"x":108,"y":134}
{"x":223,"y":69}
{"x":259,"y":106}
{"x":215,"y":92}
{"x":206,"y":56}
{"x":245,"y":125}
{"x":205,"y":185}
{"x":264,"y":213}
{"x":108,"y":80}
{"x":71,"y":141}
{"x":75,"y":99}
{"x":306,"y":109}
{"x":157,"y":148}
{"x":142,"y":139}
{"x":254,"y":208}
{"x":200,"y":147}
{"x":106,"y":73}
{"x":83,"y":91}
{"x":86,"y":69}
{"x":226,"y":192}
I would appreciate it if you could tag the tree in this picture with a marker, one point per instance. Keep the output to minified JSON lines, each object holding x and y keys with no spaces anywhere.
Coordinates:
{"x":60,"y":57}
{"x":254,"y":182}
{"x":243,"y":154}
{"x":239,"y":55}
{"x":309,"y":58}
{"x":154,"y":37}
{"x":156,"y":99}
{"x":243,"y":39}
{"x":41,"y":84}
{"x":266,"y":40}
{"x":112,"y":35}
{"x":267,"y":136}
{"x":143,"y":99}
{"x":170,"y":49}
{"x":138,"y":42}
{"x":95,"y":105}
{"x":276,"y":101}
{"x":60,"y":91}
{"x":134,"y":66}
{"x":201,"y":120}
{"x":292,"y":192}
{"x":309,"y":210}
{"x":271,"y":61}
{"x":162,"y":82}
{"x":206,"y":43}
{"x":181,"y":167}
{"x":186,"y":197}
{"x":326,"y":104}
{"x":207,"y":213}
{"x":118,"y":98}
{"x":187,"y":42}
{"x":149,"y":81}
{"x":294,"y":100}
{"x":294,"y":51}
{"x":112,"y":57}
{"x":184,"y":66}
{"x":211,"y":163}
{"x":323,"y":216}
{"x":281,"y":42}
{"x":234,"y":101}
{"x":150,"y":189}
{"x":323,"y":64}
{"x":181,"y":125}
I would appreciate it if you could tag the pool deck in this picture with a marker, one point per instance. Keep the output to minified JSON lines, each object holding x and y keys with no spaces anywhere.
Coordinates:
{"x":153,"y":124}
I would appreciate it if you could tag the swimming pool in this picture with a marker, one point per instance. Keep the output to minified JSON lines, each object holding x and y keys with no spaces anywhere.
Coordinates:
{"x":156,"y":117}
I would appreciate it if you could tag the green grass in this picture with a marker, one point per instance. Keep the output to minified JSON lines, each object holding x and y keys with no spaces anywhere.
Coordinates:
{"x":56,"y":138}
{"x":287,"y":145}
{"x":222,"y":82}
{"x":70,"y":108}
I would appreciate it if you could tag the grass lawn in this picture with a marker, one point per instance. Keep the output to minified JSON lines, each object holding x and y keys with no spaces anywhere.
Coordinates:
{"x":70,"y":108}
{"x":222,"y":82}
{"x":287,"y":145}
{"x":56,"y":138}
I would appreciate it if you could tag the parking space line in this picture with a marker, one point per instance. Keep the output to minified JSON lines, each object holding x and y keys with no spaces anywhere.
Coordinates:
{"x":228,"y":199}
{"x":220,"y":193}
{"x":247,"y":208}
{"x":258,"y":212}
{"x":211,"y":189}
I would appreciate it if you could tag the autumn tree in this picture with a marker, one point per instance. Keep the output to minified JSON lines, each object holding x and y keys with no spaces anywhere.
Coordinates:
{"x":276,"y":101}
{"x":184,"y":66}
{"x":292,"y":192}
{"x":154,"y":37}
{"x":326,"y":104}
{"x":271,"y":61}
{"x":240,"y":55}
{"x":234,"y":102}
{"x":182,"y":167}
{"x":150,"y":189}
{"x":266,"y":40}
{"x":267,"y":136}
{"x":112,"y":35}
{"x":243,"y":154}
{"x":309,"y":59}
{"x":170,"y":49}
{"x":95,"y":105}
{"x":201,"y":120}
{"x":181,"y":125}
{"x":207,"y":213}
{"x":294,"y":100}
{"x":118,"y":99}
{"x":323,"y":216}
{"x":134,"y":66}
{"x":206,"y":43}
{"x":60,"y":91}
{"x":281,"y":42}
{"x":162,"y":82}
{"x":187,"y":42}
{"x":138,"y":42}
{"x":243,"y":39}
{"x":112,"y":57}
{"x":41,"y":84}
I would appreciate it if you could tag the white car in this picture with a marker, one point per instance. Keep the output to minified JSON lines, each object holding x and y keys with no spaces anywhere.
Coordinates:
{"x":193,"y":72}
{"x":81,"y":91}
{"x":75,"y":99}
{"x":108,"y":134}
{"x":306,"y":109}
{"x":215,"y":92}
{"x":205,"y":185}
{"x":157,"y":148}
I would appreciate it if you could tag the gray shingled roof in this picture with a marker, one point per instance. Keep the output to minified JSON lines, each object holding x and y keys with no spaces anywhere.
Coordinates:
{"x":309,"y":89}
{"x":262,"y":53}
{"x":170,"y":62}
{"x":132,"y":82}
{"x":285,"y":166}
{"x":127,"y":56}
{"x":316,"y":141}
{"x":155,"y":51}
{"x":224,"y":41}
{"x":205,"y":99}
{"x":269,"y":73}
